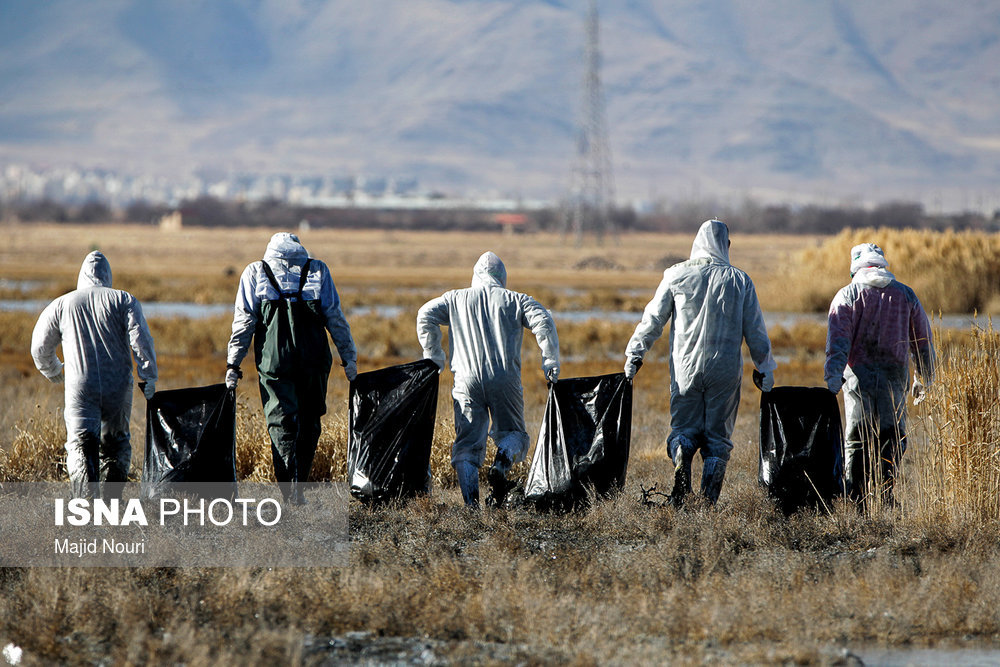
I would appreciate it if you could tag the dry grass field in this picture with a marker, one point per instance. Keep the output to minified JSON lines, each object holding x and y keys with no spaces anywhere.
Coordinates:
{"x":623,"y":582}
{"x":385,"y":267}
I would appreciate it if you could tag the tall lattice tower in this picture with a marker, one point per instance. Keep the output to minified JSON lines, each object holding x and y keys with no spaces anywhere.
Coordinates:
{"x":592,"y":185}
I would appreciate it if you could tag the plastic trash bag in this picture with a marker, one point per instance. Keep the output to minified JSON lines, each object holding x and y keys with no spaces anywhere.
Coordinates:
{"x":190,"y":438}
{"x":801,"y":446}
{"x":583,"y":442}
{"x":391,"y":430}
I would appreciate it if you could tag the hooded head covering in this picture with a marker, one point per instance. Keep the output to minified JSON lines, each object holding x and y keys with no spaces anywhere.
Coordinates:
{"x":287,"y":247}
{"x":489,"y":270}
{"x":95,"y":272}
{"x":711,"y":242}
{"x":867,"y":255}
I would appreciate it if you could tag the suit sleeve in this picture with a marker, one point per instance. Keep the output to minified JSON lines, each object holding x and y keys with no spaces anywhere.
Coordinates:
{"x":430,"y":318}
{"x":840,"y":333}
{"x":654,"y":318}
{"x":245,"y":315}
{"x":539,"y":321}
{"x":755,"y":333}
{"x":921,"y":344}
{"x":336,"y":323}
{"x":141,"y":341}
{"x":45,"y":338}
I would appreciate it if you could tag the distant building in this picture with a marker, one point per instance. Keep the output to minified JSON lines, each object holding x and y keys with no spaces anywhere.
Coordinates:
{"x":511,"y":222}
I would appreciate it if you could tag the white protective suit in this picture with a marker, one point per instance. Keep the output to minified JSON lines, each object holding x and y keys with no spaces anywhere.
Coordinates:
{"x":714,"y":309}
{"x":875,"y":324}
{"x":485,"y":326}
{"x":100,"y":330}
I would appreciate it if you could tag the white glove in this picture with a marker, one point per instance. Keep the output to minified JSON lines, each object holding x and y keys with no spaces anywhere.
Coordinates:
{"x":767,"y":381}
{"x":439,"y":362}
{"x":834,"y":384}
{"x":232,"y":377}
{"x":58,"y":378}
{"x":148,"y":390}
{"x":918,"y":392}
{"x":552,"y":375}
{"x":632,"y":367}
{"x":351,"y":370}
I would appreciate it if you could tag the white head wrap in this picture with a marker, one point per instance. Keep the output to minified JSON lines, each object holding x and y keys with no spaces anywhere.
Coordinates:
{"x":866,"y":255}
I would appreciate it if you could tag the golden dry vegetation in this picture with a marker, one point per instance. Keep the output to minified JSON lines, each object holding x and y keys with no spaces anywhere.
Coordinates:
{"x":963,"y":428}
{"x":623,"y":582}
{"x":951,"y":272}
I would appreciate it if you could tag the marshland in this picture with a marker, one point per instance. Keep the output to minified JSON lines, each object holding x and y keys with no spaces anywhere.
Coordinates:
{"x":627,"y":580}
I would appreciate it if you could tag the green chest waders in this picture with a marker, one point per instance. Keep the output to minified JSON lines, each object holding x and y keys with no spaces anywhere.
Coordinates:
{"x":293,"y":362}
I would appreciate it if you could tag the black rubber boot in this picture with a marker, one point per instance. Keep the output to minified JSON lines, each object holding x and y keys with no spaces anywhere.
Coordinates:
{"x":682,"y":477}
{"x":712,"y":475}
{"x":468,"y":481}
{"x":497,"y":477}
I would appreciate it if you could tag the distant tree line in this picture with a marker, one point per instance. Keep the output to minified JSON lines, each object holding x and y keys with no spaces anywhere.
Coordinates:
{"x":273,"y":213}
{"x":50,"y":210}
{"x":812,"y":219}
{"x":748,"y":217}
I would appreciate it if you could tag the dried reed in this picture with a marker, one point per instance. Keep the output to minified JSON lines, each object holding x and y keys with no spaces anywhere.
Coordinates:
{"x":963,"y":428}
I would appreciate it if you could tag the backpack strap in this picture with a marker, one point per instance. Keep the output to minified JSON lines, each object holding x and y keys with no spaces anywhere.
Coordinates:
{"x":303,"y":277}
{"x":274,"y":281}
{"x":270,"y":276}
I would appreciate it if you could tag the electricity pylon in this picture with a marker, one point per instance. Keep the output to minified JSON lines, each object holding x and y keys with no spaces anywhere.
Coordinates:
{"x":592,"y":185}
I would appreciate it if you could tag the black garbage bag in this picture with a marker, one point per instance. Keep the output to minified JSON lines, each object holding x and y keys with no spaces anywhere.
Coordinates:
{"x":391,"y":430}
{"x":801,"y":446}
{"x":583,"y":442}
{"x":191,"y":439}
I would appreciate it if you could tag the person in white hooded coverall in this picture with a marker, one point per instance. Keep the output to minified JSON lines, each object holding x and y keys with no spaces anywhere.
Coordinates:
{"x":100,"y":330}
{"x":485,"y":324}
{"x":714,"y":309}
{"x":875,"y":324}
{"x":286,"y":303}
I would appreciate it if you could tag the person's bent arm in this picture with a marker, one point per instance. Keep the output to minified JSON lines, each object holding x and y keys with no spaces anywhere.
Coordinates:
{"x":336,"y":323}
{"x":654,"y":318}
{"x":540,"y":322}
{"x":755,"y":334}
{"x":141,"y":342}
{"x":921,"y":344}
{"x":245,"y":313}
{"x":430,"y":318}
{"x":45,"y":338}
{"x":840,"y":333}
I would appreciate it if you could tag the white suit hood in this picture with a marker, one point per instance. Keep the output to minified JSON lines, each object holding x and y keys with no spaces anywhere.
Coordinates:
{"x":489,"y":270}
{"x":286,"y":247}
{"x":95,"y":271}
{"x":711,"y":242}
